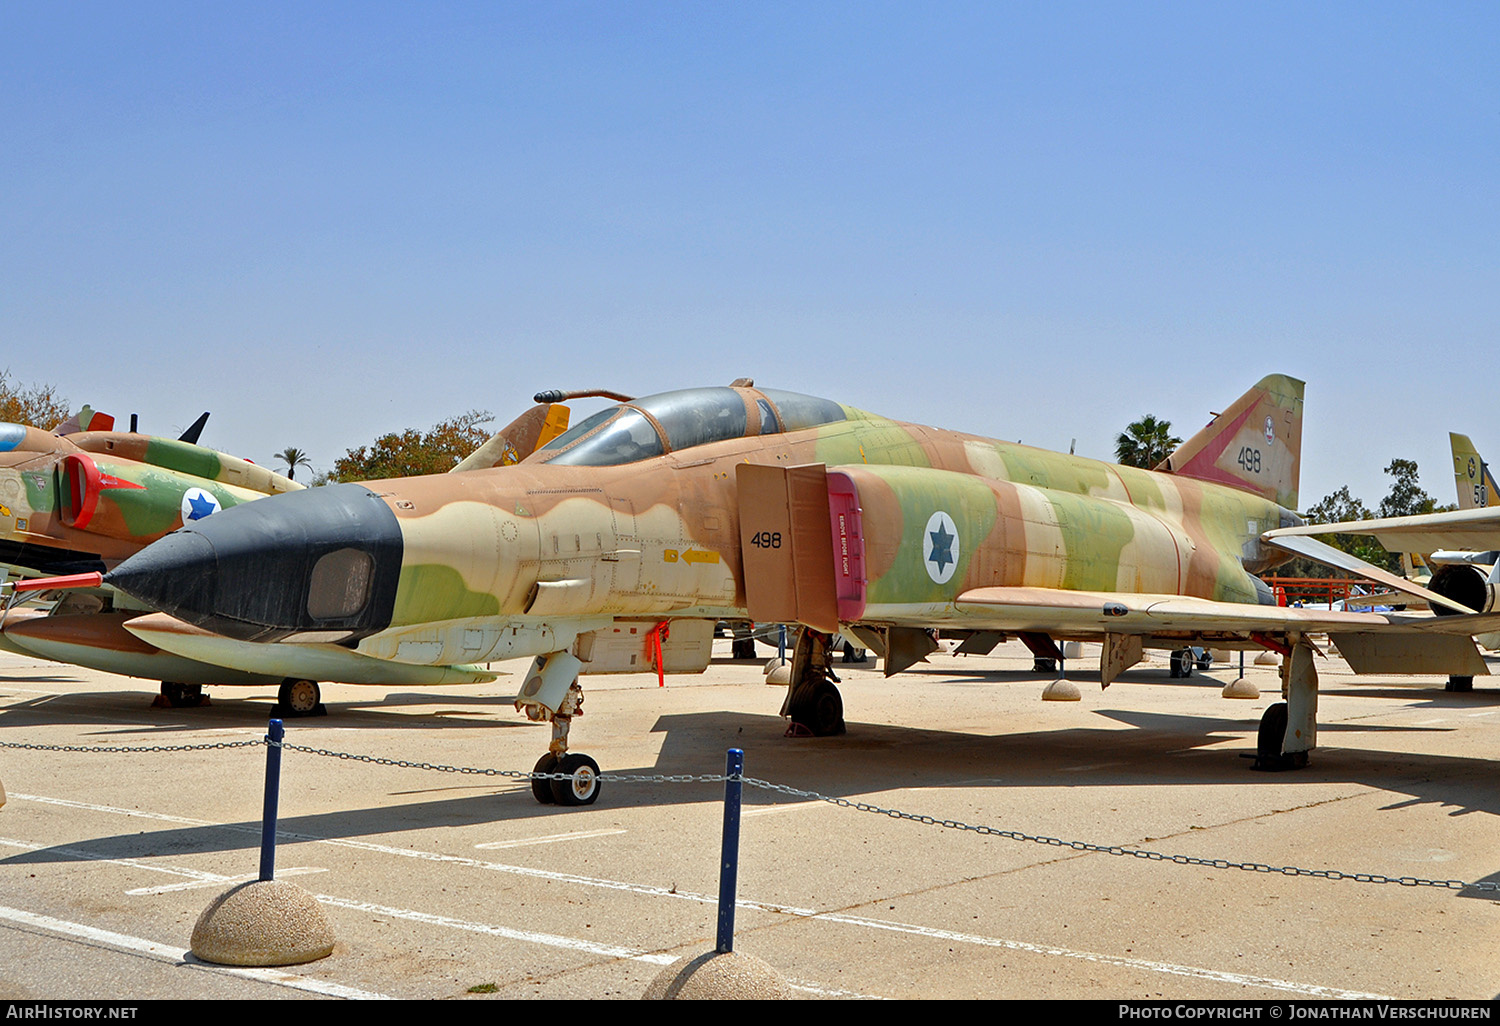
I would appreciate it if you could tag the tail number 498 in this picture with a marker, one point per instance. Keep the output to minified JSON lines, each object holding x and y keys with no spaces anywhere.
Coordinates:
{"x":1249,"y":460}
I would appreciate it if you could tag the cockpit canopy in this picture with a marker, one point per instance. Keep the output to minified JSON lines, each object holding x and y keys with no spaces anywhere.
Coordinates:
{"x":673,"y":421}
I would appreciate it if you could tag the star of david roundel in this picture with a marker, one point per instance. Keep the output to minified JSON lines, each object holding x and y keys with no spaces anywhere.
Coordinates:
{"x":197,"y":504}
{"x":940,"y":547}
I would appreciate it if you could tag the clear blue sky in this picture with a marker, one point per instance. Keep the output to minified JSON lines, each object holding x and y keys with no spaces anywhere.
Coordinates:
{"x":1036,"y":221}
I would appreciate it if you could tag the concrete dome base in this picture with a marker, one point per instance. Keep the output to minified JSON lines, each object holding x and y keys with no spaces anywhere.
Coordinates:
{"x":1061,"y":690}
{"x":265,"y":922}
{"x":716,"y":976}
{"x":1240,"y":688}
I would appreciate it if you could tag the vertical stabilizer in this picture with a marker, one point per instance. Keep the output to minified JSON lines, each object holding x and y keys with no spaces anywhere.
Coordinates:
{"x":1255,"y":445}
{"x":86,"y":419}
{"x":518,"y":439}
{"x":1414,"y":568}
{"x":1471,"y":474}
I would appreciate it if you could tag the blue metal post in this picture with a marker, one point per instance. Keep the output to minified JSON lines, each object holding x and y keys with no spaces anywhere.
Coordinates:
{"x":729,"y":859}
{"x":274,"y":734}
{"x":781,"y":643}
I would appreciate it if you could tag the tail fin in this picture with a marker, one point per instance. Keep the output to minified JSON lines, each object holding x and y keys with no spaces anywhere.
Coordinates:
{"x":86,"y":419}
{"x":1255,"y":445}
{"x":192,"y":434}
{"x":518,"y":439}
{"x":1476,"y":487}
{"x":1414,"y":568}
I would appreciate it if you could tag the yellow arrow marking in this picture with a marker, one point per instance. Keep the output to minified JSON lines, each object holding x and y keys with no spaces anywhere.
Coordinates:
{"x":690,"y":556}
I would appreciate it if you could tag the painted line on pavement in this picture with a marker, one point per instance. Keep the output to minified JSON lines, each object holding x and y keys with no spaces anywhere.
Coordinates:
{"x":1289,"y":986}
{"x":175,"y":955}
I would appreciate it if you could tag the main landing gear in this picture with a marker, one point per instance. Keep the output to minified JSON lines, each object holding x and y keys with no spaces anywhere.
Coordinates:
{"x":1289,"y":730}
{"x":551,"y":693}
{"x":1183,"y":662}
{"x":813,"y":703}
{"x":297,"y":698}
{"x":180,"y":696}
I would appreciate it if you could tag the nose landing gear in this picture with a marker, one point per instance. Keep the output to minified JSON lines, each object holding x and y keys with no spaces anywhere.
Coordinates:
{"x":551,"y":693}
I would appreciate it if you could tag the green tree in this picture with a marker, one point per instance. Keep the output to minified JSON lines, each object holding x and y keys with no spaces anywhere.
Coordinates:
{"x":411,"y":453}
{"x":1145,"y":443}
{"x":1407,"y":498}
{"x":38,"y":406}
{"x":293,"y":458}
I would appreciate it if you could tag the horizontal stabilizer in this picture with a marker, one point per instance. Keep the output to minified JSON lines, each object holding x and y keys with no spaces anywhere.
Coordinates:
{"x":1468,"y":529}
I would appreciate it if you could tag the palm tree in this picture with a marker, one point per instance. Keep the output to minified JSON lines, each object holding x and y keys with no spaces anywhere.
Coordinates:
{"x":1145,"y":443}
{"x":293,"y":458}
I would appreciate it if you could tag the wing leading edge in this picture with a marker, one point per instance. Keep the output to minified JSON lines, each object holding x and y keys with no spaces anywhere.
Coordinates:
{"x":1432,"y":641}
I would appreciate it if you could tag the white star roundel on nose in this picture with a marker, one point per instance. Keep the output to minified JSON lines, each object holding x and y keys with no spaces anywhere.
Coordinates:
{"x":940,"y":547}
{"x":197,"y":504}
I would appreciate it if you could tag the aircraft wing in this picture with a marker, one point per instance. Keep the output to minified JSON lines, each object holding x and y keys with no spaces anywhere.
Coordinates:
{"x":1467,"y":529}
{"x":1059,"y":611}
{"x":1370,"y":642}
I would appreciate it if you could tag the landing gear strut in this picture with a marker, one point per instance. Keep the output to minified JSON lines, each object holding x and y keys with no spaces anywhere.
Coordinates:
{"x":813,"y":703}
{"x":551,"y":693}
{"x":1289,"y":730}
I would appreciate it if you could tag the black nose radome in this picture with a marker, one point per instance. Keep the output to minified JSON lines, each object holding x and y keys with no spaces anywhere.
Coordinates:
{"x":319,"y":561}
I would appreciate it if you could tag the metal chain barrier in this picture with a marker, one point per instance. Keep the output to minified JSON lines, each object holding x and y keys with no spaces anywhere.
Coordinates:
{"x":256,"y":743}
{"x":1139,"y":853}
{"x":1482,"y":886}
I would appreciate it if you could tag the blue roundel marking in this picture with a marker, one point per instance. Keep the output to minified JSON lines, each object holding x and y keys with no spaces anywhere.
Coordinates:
{"x":197,"y":504}
{"x":940,"y":547}
{"x":10,"y":436}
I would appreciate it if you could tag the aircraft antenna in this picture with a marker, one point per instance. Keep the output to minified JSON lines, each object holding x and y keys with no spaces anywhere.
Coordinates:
{"x":557,"y":395}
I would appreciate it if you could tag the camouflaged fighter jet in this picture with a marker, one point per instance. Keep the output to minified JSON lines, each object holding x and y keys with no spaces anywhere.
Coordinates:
{"x":617,"y":545}
{"x":83,"y":497}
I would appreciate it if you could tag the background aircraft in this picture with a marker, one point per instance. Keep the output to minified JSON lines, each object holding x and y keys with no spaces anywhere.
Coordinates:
{"x":83,"y":497}
{"x":1467,"y":575}
{"x":1471,"y":474}
{"x":617,"y":545}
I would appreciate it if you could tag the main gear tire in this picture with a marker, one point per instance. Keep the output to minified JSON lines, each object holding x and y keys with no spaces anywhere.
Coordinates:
{"x":182,"y":696}
{"x":1268,"y":741}
{"x":297,"y":698}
